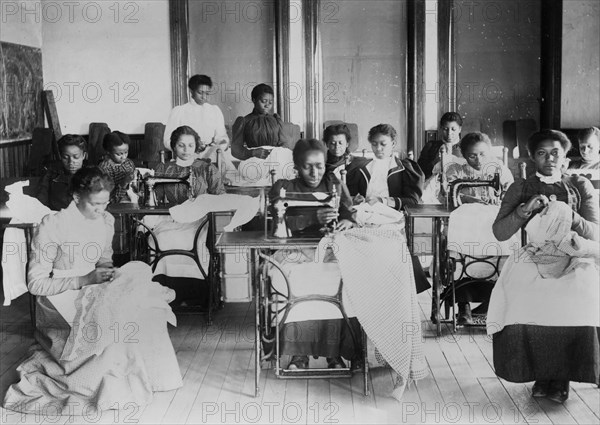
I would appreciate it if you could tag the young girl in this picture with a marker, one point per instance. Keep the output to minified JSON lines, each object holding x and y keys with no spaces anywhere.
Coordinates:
{"x":53,"y":190}
{"x":78,"y":374}
{"x":176,"y":271}
{"x":589,"y":148}
{"x":559,"y":342}
{"x":309,"y":159}
{"x":120,"y":168}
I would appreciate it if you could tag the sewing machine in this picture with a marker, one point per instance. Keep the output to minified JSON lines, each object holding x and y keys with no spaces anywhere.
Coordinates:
{"x":459,"y":184}
{"x":290,"y":205}
{"x":145,"y":186}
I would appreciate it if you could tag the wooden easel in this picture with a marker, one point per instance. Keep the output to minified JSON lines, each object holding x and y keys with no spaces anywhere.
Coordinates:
{"x":52,"y":118}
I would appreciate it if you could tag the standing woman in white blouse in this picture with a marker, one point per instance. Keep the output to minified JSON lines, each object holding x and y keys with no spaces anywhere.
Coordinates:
{"x":392,"y":181}
{"x":205,"y":119}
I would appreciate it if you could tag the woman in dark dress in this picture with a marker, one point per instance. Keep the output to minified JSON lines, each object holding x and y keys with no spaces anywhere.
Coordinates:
{"x":339,"y":145}
{"x":450,"y":128}
{"x":53,"y":190}
{"x":259,"y":129}
{"x":559,"y":343}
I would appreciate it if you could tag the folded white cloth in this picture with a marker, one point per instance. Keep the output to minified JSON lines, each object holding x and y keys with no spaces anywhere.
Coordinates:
{"x":24,"y":209}
{"x":377,"y":213}
{"x":257,"y":172}
{"x":192,"y":210}
{"x":470,"y":232}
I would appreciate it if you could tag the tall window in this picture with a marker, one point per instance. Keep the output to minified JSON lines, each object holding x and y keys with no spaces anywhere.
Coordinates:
{"x":232,"y":42}
{"x":364,"y":64}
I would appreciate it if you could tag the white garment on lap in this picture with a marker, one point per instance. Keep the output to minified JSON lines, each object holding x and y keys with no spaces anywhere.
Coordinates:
{"x":522,"y":296}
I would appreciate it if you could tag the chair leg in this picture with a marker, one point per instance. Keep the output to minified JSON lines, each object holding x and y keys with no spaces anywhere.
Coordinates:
{"x":32,"y":309}
{"x":365,"y":363}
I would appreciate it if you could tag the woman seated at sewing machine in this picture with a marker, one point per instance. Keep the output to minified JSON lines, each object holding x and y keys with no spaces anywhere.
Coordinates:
{"x":202,"y":177}
{"x":479,"y":164}
{"x":316,"y":337}
{"x":450,"y":127}
{"x":543,"y":312}
{"x":475,"y":148}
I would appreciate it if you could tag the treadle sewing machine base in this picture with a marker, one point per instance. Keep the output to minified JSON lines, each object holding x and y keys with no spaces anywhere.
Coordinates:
{"x":258,"y":245}
{"x":132,"y":214}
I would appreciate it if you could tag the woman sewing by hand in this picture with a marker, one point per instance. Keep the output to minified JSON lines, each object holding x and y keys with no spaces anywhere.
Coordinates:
{"x":543,"y":312}
{"x":257,"y":132}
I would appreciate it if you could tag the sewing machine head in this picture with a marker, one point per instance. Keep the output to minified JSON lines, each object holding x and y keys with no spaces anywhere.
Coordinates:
{"x":295,"y":214}
{"x":459,"y":184}
{"x":151,"y":181}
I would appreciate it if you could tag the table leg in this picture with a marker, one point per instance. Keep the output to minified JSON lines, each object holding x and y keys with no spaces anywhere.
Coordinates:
{"x":435,"y":305}
{"x":257,"y":336}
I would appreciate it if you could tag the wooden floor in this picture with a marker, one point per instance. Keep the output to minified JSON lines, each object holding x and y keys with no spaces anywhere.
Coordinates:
{"x":217,"y":367}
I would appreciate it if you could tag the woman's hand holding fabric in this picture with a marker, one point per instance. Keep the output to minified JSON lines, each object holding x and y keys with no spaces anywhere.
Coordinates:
{"x":344,"y":224}
{"x":99,"y":275}
{"x":535,"y":203}
{"x":358,"y":199}
{"x":372,"y":200}
{"x":260,"y":153}
{"x":326,"y":215}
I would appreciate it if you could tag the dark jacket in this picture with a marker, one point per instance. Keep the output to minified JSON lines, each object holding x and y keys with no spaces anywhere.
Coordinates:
{"x":54,"y":187}
{"x":429,"y":156}
{"x":405,"y":181}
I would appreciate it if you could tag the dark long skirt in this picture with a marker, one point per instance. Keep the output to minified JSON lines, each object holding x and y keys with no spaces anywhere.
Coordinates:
{"x":524,"y":353}
{"x":320,"y":338}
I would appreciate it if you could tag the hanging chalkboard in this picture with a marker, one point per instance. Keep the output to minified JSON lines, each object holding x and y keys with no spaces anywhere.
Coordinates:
{"x":20,"y":88}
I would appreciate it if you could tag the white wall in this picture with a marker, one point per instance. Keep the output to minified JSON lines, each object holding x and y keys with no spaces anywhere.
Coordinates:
{"x":21,"y":22}
{"x":107,"y":62}
{"x":580,"y":102}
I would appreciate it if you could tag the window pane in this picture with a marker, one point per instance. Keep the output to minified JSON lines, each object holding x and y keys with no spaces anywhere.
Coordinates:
{"x":364,"y":64}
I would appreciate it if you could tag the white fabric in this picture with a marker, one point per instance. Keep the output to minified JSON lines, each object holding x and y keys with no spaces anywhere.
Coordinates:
{"x":178,"y":230}
{"x":192,"y":210}
{"x":470,"y":232}
{"x":378,"y":169}
{"x":524,"y":294}
{"x":24,"y":209}
{"x":116,"y":353}
{"x":380,"y":284}
{"x":206,"y":120}
{"x":65,"y":301}
{"x":308,"y":272}
{"x":131,"y":292}
{"x":376,"y":214}
{"x":257,"y":172}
